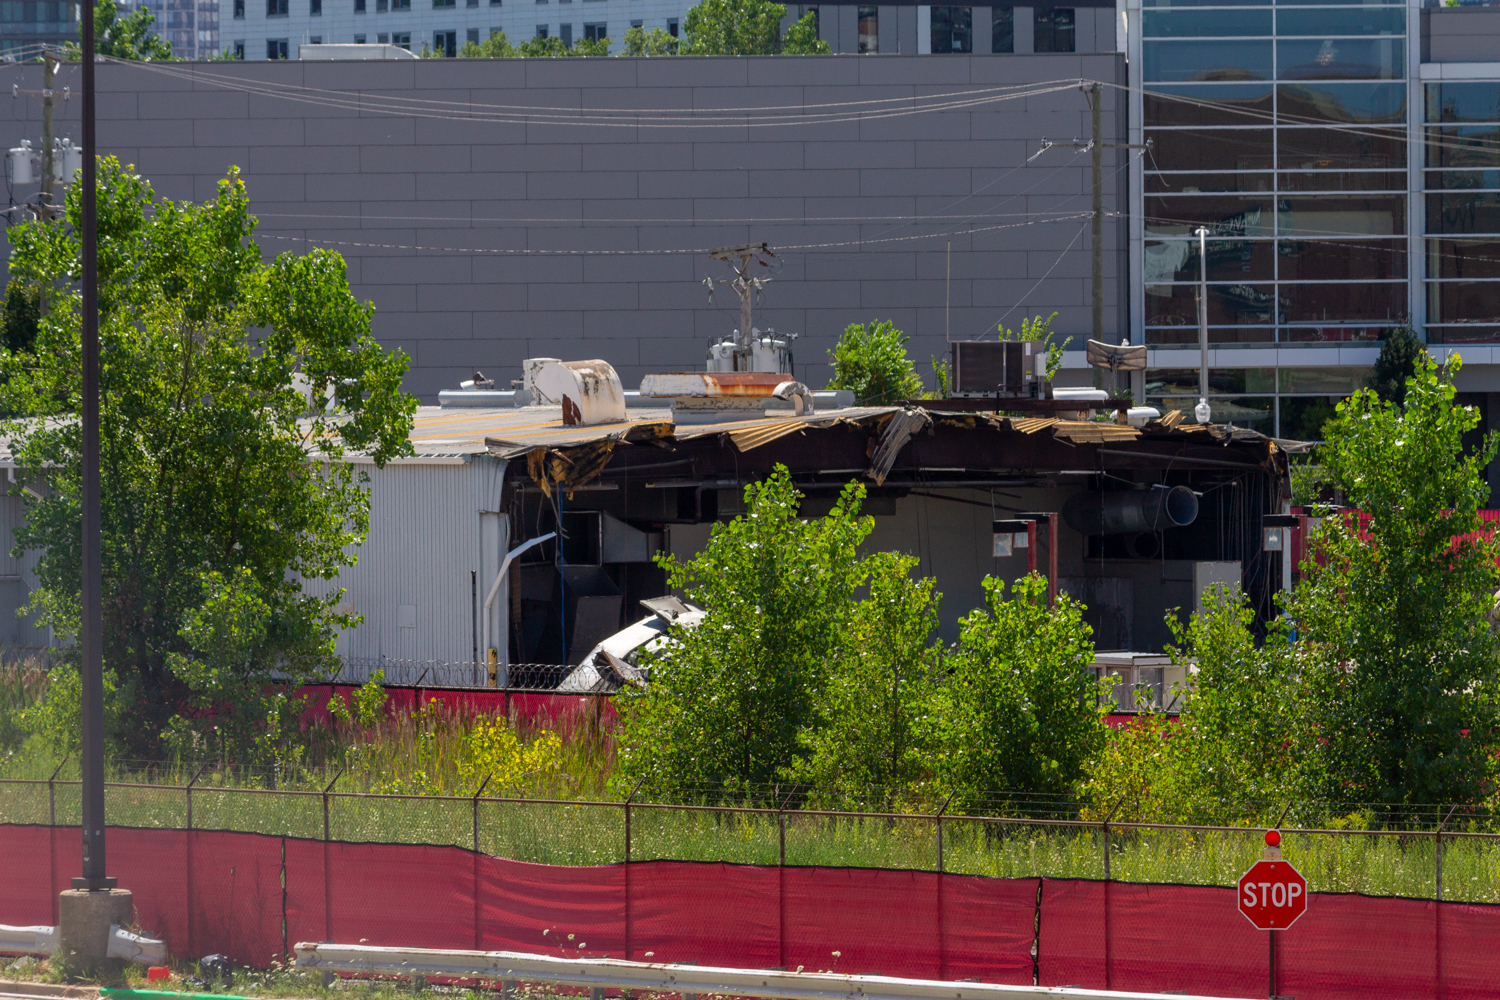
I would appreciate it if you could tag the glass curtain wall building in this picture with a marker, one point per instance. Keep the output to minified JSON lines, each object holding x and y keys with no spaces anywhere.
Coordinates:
{"x":1281,"y":130}
{"x":1461,"y":188}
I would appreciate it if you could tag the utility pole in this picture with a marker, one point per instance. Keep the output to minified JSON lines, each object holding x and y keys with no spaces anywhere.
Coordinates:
{"x":742,"y":282}
{"x":1202,"y":411}
{"x":49,"y":78}
{"x":87,"y":910}
{"x":1096,"y":150}
{"x":1096,"y":146}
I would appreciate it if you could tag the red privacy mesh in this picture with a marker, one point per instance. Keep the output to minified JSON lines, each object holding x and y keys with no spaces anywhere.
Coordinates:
{"x":251,"y":896}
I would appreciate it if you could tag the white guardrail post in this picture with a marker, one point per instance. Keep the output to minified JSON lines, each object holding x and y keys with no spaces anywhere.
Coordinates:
{"x":599,"y":974}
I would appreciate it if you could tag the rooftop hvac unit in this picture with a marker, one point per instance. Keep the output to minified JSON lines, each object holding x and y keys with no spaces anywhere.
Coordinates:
{"x":998,"y":367}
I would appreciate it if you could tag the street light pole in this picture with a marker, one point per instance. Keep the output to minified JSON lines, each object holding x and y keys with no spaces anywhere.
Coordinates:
{"x":87,"y":912}
{"x":91,"y":634}
{"x":1202,"y":411}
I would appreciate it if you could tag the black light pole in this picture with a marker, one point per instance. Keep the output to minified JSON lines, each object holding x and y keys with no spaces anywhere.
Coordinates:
{"x":91,"y":635}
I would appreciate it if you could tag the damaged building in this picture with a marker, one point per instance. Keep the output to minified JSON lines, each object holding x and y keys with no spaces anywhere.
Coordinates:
{"x":524,"y":534}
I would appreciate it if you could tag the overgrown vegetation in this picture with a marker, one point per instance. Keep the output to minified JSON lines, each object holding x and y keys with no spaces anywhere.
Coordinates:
{"x":870,"y":360}
{"x":232,"y":389}
{"x":816,"y":667}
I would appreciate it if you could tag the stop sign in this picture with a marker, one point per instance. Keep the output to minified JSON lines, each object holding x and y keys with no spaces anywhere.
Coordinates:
{"x":1273,"y":895}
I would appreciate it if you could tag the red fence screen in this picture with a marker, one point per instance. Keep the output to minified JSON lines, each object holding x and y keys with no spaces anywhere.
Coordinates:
{"x":251,"y":896}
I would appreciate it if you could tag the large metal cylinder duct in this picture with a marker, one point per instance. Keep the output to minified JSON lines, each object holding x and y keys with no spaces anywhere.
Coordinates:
{"x":1131,"y":512}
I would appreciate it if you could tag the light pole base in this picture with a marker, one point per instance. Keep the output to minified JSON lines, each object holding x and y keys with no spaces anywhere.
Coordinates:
{"x":84,"y":919}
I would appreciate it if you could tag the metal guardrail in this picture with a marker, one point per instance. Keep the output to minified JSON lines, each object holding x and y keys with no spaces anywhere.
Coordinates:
{"x":691,"y":981}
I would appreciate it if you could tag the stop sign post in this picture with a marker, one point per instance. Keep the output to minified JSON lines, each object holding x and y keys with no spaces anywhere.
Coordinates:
{"x":1272,"y":896}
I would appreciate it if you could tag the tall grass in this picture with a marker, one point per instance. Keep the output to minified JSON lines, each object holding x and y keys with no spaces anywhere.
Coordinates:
{"x":441,"y":756}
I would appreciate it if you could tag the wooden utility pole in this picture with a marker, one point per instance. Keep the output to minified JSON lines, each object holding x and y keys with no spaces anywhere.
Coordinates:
{"x":49,"y":78}
{"x":1096,"y":156}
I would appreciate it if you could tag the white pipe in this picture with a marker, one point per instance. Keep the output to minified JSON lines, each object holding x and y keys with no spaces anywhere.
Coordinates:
{"x":489,"y":599}
{"x":655,"y":978}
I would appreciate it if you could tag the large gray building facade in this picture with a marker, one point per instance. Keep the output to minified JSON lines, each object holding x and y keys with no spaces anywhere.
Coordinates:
{"x":494,"y":210}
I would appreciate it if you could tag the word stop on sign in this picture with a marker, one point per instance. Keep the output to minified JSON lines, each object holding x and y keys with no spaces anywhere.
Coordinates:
{"x":1272,"y":895}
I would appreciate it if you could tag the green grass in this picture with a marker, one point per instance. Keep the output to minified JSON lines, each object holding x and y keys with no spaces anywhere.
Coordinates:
{"x":588,"y":832}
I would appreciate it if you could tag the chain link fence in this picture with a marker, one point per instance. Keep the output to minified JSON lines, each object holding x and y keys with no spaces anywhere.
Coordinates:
{"x":1456,"y":858}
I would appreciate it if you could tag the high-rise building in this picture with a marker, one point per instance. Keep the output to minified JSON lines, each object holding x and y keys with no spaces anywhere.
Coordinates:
{"x":25,"y":25}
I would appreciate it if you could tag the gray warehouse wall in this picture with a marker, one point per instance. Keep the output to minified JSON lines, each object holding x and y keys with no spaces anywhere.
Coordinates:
{"x":863,"y":207}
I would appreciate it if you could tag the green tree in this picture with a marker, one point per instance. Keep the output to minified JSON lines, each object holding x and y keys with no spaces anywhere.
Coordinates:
{"x":729,"y":698}
{"x":877,"y":718}
{"x":656,"y":42}
{"x":230,"y":391}
{"x":1401,"y":666}
{"x":1021,"y":711}
{"x":1238,"y":745}
{"x":1396,"y":363}
{"x":123,"y":36}
{"x":497,"y":46}
{"x":1040,"y":328}
{"x":748,"y":28}
{"x":22,"y":313}
{"x":871,"y":360}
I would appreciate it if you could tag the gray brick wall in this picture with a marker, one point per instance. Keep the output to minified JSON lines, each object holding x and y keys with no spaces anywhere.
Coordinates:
{"x":376,"y":186}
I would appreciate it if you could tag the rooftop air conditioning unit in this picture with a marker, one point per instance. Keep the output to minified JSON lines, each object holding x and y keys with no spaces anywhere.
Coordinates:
{"x":1016,"y":368}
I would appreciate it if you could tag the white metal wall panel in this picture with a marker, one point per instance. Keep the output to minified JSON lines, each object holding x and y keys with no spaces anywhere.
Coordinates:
{"x":412,"y":581}
{"x":17,"y":580}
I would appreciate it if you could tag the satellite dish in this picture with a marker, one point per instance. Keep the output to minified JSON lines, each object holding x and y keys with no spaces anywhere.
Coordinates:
{"x":1117,"y":357}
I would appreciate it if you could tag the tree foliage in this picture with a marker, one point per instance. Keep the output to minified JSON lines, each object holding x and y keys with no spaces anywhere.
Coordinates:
{"x":728,"y":699}
{"x":231,"y":388}
{"x":748,"y":28}
{"x":1396,"y":363}
{"x":123,"y":35}
{"x":1239,"y":744}
{"x":1402,"y":662}
{"x":1021,"y":710}
{"x":875,"y":730}
{"x":870,"y":359}
{"x":22,"y":313}
{"x":656,"y":42}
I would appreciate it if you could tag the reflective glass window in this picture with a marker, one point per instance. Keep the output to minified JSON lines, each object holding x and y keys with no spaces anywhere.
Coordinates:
{"x":1165,"y":4}
{"x":1463,"y":258}
{"x":1228,"y":260}
{"x":1221,"y":381}
{"x":1228,"y":305}
{"x":1186,"y":61}
{"x":1224,"y":215}
{"x":1357,"y":302}
{"x":1327,"y":21}
{"x":1477,"y":333}
{"x":1217,"y":149}
{"x":1464,"y":146}
{"x":1330,"y":216}
{"x":952,"y":29}
{"x":1333,"y":149}
{"x":1462,"y":180}
{"x":1342,"y":59}
{"x":1341,"y":380}
{"x":1205,"y":23}
{"x":1463,"y":102}
{"x":1342,"y":180}
{"x":1341,"y":260}
{"x":1463,"y":213}
{"x":1194,"y":183}
{"x":1331,"y":333}
{"x":1463,"y":301}
{"x":1003,"y":29}
{"x":1360,"y":103}
{"x":869,"y":29}
{"x":1303,"y":417}
{"x":1216,"y":335}
{"x":1053,"y":30}
{"x":1200,"y":105}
